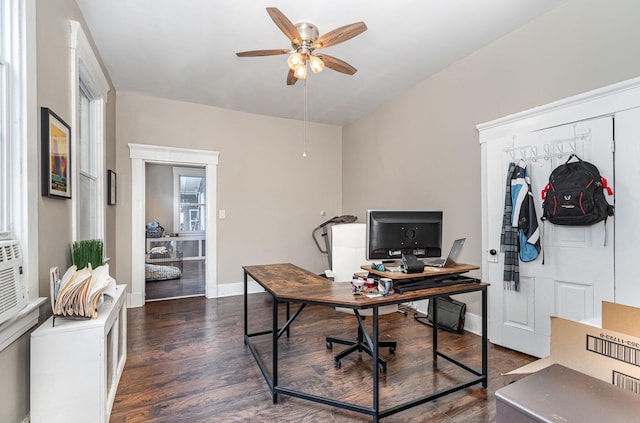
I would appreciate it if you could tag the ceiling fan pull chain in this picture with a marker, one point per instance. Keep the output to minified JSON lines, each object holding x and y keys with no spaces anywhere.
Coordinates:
{"x":304,"y":152}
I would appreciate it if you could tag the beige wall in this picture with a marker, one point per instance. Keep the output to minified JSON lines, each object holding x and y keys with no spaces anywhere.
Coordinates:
{"x":271,"y":194}
{"x":422,"y":147}
{"x":54,"y":92}
{"x":54,"y":216}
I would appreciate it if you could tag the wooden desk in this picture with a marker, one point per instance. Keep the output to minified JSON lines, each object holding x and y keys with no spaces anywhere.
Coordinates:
{"x":293,"y":285}
{"x":428,"y":271}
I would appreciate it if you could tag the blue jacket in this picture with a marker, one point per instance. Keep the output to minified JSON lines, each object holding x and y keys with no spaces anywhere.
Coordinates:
{"x":524,"y":213}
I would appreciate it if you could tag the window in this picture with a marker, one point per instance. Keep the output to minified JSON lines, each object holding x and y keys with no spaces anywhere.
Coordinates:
{"x":90,"y":89}
{"x":5,"y":163}
{"x":189,"y":199}
{"x":18,"y":125}
{"x":19,"y":142}
{"x":88,"y":178}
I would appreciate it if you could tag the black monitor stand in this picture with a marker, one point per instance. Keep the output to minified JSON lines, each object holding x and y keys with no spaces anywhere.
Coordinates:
{"x":411,"y":264}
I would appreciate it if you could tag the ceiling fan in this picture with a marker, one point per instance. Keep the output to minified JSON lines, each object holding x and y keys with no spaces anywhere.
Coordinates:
{"x":305,"y":40}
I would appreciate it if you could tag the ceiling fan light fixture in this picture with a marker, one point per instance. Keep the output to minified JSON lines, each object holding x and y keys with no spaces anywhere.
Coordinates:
{"x":301,"y":71}
{"x":316,"y":64}
{"x":295,"y":60}
{"x":305,"y":38}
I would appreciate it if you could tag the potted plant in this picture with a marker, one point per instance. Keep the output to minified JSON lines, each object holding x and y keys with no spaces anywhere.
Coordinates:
{"x":87,"y":252}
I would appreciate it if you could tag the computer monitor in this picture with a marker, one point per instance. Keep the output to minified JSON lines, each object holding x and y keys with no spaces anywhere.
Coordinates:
{"x":394,"y":233}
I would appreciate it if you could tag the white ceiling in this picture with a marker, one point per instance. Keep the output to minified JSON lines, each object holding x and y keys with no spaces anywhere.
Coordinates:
{"x":185,"y":49}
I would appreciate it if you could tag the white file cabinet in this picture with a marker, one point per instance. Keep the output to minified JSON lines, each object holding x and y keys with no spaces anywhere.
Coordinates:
{"x":76,"y":365}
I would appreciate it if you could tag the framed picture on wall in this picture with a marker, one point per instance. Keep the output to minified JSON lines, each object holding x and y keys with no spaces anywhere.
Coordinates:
{"x":56,"y":155}
{"x":111,"y":188}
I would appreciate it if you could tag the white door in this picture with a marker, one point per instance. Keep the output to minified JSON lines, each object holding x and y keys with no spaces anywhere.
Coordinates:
{"x":578,"y":272}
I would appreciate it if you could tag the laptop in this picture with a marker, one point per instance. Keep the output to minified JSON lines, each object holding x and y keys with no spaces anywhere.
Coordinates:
{"x":451,"y":258}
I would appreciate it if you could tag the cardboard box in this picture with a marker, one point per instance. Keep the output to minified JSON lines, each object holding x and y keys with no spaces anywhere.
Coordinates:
{"x":610,"y":353}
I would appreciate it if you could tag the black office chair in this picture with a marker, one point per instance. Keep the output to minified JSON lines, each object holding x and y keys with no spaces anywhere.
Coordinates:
{"x":348,"y":243}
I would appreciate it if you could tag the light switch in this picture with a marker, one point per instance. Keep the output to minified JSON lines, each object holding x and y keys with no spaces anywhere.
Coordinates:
{"x":222,"y":214}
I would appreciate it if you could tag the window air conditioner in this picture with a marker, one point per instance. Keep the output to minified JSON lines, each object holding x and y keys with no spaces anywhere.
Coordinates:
{"x":13,"y":295}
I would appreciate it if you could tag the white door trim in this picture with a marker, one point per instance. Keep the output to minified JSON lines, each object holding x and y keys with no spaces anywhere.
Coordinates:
{"x":141,"y":154}
{"x":589,"y":105}
{"x":607,"y":101}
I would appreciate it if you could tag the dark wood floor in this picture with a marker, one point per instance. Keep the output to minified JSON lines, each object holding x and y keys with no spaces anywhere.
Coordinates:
{"x":187,"y":362}
{"x":190,"y":283}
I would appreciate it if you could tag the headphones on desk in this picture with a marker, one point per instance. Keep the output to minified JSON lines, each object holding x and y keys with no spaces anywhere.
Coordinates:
{"x":378,"y":267}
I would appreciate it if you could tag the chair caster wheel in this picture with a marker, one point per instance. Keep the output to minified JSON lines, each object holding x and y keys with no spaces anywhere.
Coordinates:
{"x":329,"y":345}
{"x":382,"y":367}
{"x":392,"y":350}
{"x":337,"y":364}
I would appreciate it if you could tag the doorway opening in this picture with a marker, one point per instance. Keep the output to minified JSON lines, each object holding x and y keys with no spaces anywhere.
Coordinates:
{"x":175,"y":248}
{"x":141,"y":155}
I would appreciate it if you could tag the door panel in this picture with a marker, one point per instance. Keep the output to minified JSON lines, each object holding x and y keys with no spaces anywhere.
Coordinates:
{"x":577,"y":273}
{"x":518,"y":306}
{"x":573,"y":300}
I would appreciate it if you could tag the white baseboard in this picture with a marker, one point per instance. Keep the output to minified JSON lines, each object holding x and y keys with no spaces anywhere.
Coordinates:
{"x":231,"y":289}
{"x":473,"y":323}
{"x":135,"y":299}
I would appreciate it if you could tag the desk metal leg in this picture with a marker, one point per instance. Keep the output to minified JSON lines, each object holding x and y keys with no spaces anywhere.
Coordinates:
{"x":435,"y":327}
{"x":246,"y":297}
{"x":374,"y":366}
{"x":288,"y":317}
{"x":274,"y":338}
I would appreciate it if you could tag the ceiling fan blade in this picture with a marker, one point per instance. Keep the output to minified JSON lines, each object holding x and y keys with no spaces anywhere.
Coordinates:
{"x":291,"y":80}
{"x":285,"y":25}
{"x":337,"y":64}
{"x":340,"y":35}
{"x":254,"y":53}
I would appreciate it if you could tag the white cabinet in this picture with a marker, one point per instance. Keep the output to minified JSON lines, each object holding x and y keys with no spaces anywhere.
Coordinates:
{"x":76,"y":365}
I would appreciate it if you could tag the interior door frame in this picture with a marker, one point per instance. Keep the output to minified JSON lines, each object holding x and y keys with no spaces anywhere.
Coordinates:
{"x":597,"y":103}
{"x":140,"y":155}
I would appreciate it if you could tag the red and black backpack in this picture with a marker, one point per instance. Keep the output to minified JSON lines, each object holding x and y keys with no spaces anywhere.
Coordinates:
{"x":575,"y":195}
